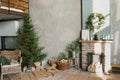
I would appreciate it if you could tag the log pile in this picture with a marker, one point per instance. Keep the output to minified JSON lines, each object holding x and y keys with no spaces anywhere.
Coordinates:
{"x":95,"y":67}
{"x":38,"y":72}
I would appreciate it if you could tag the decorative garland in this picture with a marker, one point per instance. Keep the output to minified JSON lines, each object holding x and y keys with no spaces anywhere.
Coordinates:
{"x":89,"y":23}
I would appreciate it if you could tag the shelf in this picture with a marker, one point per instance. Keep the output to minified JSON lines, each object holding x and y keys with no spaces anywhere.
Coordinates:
{"x":96,"y":41}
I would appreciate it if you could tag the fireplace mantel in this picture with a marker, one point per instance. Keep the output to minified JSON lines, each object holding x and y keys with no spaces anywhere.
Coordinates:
{"x":100,"y":47}
{"x":96,"y":41}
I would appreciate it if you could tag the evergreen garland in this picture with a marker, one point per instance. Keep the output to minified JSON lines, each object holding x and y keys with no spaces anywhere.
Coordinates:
{"x":28,"y":42}
{"x":89,"y":23}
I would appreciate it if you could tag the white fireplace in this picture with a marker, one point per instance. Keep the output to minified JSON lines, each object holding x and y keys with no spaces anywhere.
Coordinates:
{"x":100,"y":51}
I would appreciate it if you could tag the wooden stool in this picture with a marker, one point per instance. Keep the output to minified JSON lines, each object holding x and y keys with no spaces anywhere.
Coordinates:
{"x":115,"y":67}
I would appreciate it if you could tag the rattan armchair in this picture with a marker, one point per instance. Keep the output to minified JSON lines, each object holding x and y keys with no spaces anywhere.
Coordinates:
{"x":12,"y":68}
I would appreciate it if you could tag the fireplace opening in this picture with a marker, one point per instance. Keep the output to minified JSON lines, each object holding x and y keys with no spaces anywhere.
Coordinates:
{"x":95,"y":63}
{"x":89,"y":59}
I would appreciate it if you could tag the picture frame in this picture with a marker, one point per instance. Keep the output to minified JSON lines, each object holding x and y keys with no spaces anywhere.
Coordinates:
{"x":85,"y":34}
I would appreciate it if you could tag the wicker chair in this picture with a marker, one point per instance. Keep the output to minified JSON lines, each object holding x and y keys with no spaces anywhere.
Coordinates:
{"x":12,"y":68}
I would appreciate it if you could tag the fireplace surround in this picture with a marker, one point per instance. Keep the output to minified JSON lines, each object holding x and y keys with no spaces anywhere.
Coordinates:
{"x":96,"y":47}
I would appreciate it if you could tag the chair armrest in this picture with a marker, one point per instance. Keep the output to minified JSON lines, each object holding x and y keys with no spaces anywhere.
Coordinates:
{"x":0,"y":64}
{"x":20,"y":60}
{"x":0,"y":68}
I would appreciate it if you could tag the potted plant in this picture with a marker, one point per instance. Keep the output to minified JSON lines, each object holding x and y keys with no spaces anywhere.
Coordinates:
{"x":4,"y":60}
{"x":62,"y":63}
{"x":28,"y":43}
{"x":62,"y":56}
{"x":74,"y":48}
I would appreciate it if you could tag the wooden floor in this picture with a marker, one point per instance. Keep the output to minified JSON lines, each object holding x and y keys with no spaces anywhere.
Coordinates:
{"x":34,"y":75}
{"x":71,"y":74}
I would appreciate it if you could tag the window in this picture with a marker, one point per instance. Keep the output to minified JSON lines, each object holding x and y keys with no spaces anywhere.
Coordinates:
{"x":8,"y":42}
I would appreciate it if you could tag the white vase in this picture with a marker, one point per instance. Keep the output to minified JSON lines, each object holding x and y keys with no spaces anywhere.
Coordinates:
{"x":91,"y":35}
{"x":73,"y":54}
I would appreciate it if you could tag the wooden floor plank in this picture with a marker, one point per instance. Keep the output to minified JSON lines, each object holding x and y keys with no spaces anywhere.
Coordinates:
{"x":10,"y":77}
{"x":35,"y":74}
{"x":19,"y":76}
{"x":32,"y":76}
{"x":25,"y":77}
{"x":43,"y":73}
{"x":62,"y":75}
{"x":5,"y":77}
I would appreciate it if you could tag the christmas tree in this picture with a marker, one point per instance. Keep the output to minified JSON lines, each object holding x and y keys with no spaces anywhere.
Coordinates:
{"x":28,"y":42}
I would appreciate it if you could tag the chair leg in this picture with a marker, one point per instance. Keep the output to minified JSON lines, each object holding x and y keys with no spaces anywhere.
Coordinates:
{"x":20,"y":76}
{"x":1,"y":76}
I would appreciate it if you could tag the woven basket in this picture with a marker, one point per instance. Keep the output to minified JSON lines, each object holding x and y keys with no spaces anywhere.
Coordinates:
{"x":62,"y":66}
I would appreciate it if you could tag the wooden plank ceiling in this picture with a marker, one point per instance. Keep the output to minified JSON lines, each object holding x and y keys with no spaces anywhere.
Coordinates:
{"x":12,"y":9}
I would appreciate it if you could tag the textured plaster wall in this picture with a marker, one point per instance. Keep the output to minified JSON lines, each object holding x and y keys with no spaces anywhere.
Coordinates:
{"x":57,"y":23}
{"x":115,"y":30}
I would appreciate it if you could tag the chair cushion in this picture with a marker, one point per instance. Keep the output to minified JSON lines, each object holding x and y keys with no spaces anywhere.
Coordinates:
{"x":14,"y":62}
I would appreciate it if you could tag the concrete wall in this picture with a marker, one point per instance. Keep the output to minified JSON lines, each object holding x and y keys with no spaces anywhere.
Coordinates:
{"x":57,"y":23}
{"x":115,"y":30}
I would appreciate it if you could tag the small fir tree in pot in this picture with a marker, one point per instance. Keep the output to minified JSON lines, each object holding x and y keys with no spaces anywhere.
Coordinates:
{"x":28,"y":43}
{"x":74,"y":48}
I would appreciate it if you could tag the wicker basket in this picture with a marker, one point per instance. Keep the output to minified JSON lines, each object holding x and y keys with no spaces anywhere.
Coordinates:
{"x":62,"y":66}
